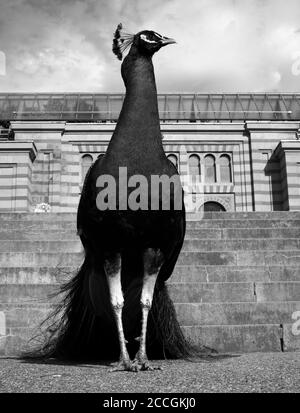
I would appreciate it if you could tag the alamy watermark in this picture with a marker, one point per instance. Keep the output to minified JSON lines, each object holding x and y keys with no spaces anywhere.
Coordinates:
{"x":159,"y":188}
{"x":157,"y":192}
{"x":296,"y":64}
{"x":2,"y":63}
{"x":296,"y":324}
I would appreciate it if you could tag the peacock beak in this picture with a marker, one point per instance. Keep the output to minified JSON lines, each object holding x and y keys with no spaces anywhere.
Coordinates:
{"x":166,"y":40}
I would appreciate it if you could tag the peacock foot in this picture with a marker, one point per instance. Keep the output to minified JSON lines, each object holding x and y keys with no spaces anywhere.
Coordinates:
{"x":123,"y":365}
{"x":141,"y":363}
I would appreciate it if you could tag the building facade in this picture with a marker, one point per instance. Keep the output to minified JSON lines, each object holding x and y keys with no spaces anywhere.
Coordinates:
{"x":244,"y":149}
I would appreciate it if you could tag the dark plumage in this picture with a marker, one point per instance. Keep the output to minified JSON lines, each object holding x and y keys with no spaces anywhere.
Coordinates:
{"x":140,"y":244}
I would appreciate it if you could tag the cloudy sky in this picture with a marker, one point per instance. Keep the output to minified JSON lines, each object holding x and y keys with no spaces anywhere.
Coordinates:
{"x":223,"y":45}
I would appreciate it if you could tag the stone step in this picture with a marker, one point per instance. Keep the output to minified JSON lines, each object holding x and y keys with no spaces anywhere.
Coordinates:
{"x":194,"y":314}
{"x":188,"y":246}
{"x":291,"y":335}
{"x":196,"y":234}
{"x":66,"y":224}
{"x":241,"y":233}
{"x":37,"y":235}
{"x":39,"y":217}
{"x":41,"y":246}
{"x":181,"y":274}
{"x":189,"y":314}
{"x":35,"y":275}
{"x":239,"y":258}
{"x":28,"y":293}
{"x":25,"y":315}
{"x":278,"y":215}
{"x":70,"y":216}
{"x":222,"y":273}
{"x":240,"y":245}
{"x":234,"y":292}
{"x":37,"y":226}
{"x":223,"y":338}
{"x":214,"y":293}
{"x":237,"y":338}
{"x":40,"y":259}
{"x":245,"y":338}
{"x":237,"y":223}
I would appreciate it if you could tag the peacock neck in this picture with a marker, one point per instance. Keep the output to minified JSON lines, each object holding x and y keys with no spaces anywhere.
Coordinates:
{"x":138,"y":127}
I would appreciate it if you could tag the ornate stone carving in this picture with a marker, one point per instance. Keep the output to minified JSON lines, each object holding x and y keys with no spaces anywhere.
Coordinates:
{"x":226,"y":200}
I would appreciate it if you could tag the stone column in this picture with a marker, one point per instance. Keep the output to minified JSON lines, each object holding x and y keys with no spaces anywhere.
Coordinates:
{"x":16,"y":160}
{"x":288,"y":153}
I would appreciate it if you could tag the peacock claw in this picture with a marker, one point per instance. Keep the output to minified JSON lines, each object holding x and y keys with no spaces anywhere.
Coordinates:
{"x":122,"y":365}
{"x":142,"y":364}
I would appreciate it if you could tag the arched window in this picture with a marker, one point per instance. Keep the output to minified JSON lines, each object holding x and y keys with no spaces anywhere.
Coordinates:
{"x":225,"y":168}
{"x":210,"y":169}
{"x":173,"y":159}
{"x":86,"y":162}
{"x":211,"y":206}
{"x":194,"y":166}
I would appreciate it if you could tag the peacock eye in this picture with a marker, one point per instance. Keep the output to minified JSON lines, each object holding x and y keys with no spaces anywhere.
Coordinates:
{"x":149,"y":38}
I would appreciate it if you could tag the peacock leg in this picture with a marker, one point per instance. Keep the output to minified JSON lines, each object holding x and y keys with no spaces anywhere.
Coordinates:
{"x":112,"y":268}
{"x":153,"y":261}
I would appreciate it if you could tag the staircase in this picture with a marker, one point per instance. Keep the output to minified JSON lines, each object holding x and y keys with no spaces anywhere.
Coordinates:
{"x":236,"y":285}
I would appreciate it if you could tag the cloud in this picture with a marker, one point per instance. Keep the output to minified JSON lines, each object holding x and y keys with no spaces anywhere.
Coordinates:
{"x":46,"y":51}
{"x":223,"y":45}
{"x":231,"y":46}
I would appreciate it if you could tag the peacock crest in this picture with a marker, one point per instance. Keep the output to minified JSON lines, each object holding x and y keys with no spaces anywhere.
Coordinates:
{"x":122,"y":40}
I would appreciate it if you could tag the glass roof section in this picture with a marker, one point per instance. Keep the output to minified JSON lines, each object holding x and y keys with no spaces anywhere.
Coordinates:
{"x":172,"y":107}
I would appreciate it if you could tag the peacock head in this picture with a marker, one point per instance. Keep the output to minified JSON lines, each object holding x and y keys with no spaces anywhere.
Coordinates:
{"x":147,"y":42}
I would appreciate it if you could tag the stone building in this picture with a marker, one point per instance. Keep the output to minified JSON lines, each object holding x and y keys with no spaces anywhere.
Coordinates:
{"x":245,"y":148}
{"x":236,"y":283}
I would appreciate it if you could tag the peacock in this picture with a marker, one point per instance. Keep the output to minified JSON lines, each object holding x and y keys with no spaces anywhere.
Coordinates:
{"x":117,"y":306}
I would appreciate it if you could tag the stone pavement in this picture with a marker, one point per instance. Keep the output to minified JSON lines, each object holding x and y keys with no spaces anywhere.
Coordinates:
{"x":256,"y":372}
